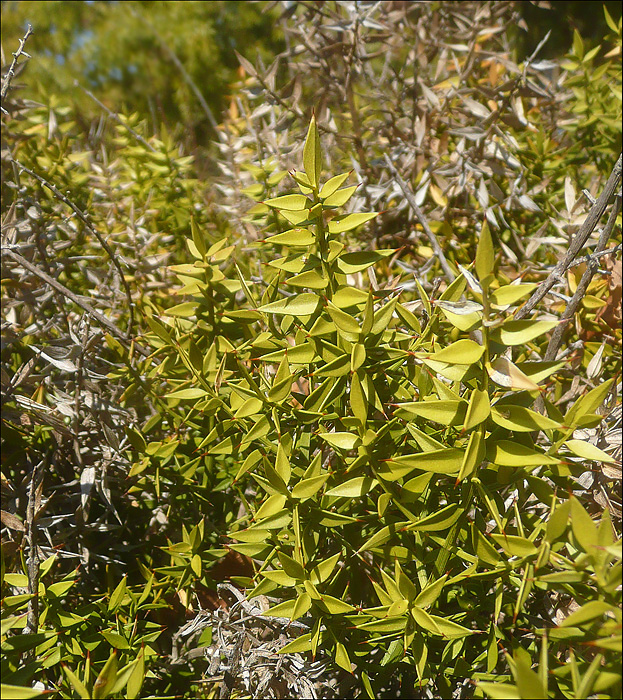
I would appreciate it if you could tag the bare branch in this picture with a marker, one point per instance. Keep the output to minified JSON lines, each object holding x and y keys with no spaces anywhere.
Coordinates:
{"x":83,"y":217}
{"x":558,"y":334}
{"x":450,"y":275}
{"x":577,"y":243}
{"x":6,"y":80}
{"x":114,"y":116}
{"x":107,"y":323}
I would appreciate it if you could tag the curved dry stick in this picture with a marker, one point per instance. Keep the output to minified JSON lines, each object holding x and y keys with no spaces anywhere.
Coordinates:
{"x":595,"y":213}
{"x":109,"y":325}
{"x":445,"y":266}
{"x":82,"y":216}
{"x":6,"y":80}
{"x":592,"y":265}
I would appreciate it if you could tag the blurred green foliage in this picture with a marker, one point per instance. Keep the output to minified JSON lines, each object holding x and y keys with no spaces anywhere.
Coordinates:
{"x":122,"y":52}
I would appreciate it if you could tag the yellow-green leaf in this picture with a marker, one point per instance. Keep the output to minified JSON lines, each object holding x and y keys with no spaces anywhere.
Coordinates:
{"x":474,"y":454}
{"x":295,"y":237}
{"x":521,"y":332}
{"x":299,"y":305}
{"x":521,"y":419}
{"x":298,"y":645}
{"x":312,"y":157}
{"x":354,"y":488}
{"x":511,"y":294}
{"x":514,"y":545}
{"x":478,"y":409}
{"x":441,"y":520}
{"x":446,"y":461}
{"x":514,"y":454}
{"x":273,"y":504}
{"x":308,"y":487}
{"x":588,"y":451}
{"x":339,"y":198}
{"x":350,"y":222}
{"x":508,"y":375}
{"x":289,"y":202}
{"x":334,"y":184}
{"x":343,"y":441}
{"x":312,"y":279}
{"x":447,"y":412}
{"x":485,"y":255}
{"x":341,"y":657}
{"x":463,"y":352}
{"x":350,"y":263}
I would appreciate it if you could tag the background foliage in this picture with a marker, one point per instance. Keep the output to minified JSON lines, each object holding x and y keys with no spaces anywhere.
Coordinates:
{"x":202,"y":429}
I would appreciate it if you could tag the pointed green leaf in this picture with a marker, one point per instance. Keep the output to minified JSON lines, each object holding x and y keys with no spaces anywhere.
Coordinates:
{"x":302,"y":354}
{"x":389,"y":624}
{"x":309,"y":487}
{"x":295,"y":237}
{"x":429,"y":595}
{"x":312,"y":157}
{"x":341,"y":657}
{"x":321,"y":572}
{"x":514,"y":454}
{"x":381,"y":536}
{"x":187,"y":394}
{"x":508,"y":375}
{"x":584,"y":449}
{"x":354,"y":488}
{"x":521,"y":332}
{"x":350,"y":222}
{"x":273,"y":504}
{"x":511,"y":293}
{"x":299,"y":305}
{"x":312,"y":279}
{"x":350,"y":263}
{"x":343,"y":320}
{"x":439,"y":521}
{"x":584,"y":529}
{"x":343,"y":441}
{"x":106,"y":678}
{"x":339,"y":198}
{"x":282,"y":464}
{"x":521,"y":419}
{"x":449,"y":629}
{"x":528,"y":682}
{"x":249,"y":408}
{"x":292,"y":567}
{"x":589,"y":611}
{"x":289,"y":202}
{"x":514,"y":545}
{"x":334,"y":184}
{"x":447,"y":412}
{"x":334,"y":606}
{"x":485,"y":255}
{"x":425,"y":620}
{"x":478,"y":410}
{"x":589,"y":403}
{"x":446,"y":461}
{"x":463,"y":352}
{"x":474,"y":454}
{"x":357,"y":398}
{"x":500,"y":691}
{"x":298,"y":645}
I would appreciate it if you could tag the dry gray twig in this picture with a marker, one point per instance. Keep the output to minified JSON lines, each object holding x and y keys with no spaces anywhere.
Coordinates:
{"x":6,"y":80}
{"x":445,"y":266}
{"x":595,"y":213}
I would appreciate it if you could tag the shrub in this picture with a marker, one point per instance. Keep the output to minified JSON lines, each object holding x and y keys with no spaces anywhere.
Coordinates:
{"x":397,"y":489}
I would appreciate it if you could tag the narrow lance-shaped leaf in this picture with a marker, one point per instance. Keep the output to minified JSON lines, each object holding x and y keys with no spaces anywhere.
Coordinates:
{"x":485,"y":256}
{"x":312,"y":158}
